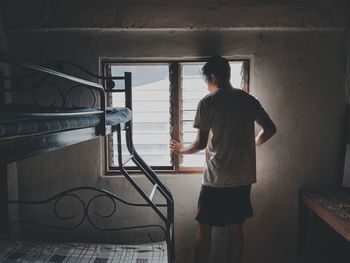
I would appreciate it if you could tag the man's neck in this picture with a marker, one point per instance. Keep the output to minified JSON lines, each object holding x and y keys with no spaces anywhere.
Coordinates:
{"x":226,"y":85}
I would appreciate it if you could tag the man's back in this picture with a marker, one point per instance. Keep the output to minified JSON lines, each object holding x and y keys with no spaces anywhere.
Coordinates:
{"x":225,"y":121}
{"x":230,"y":154}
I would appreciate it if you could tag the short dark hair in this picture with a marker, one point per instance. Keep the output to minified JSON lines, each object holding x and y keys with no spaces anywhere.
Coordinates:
{"x":218,"y":66}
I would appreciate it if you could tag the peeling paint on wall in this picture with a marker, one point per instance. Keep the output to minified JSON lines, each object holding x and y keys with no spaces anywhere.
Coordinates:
{"x":47,"y":14}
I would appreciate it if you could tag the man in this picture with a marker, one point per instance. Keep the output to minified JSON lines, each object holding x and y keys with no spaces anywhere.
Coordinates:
{"x":225,"y":122}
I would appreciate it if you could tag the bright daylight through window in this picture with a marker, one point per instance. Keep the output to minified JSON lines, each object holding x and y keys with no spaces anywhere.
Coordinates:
{"x":153,"y":123}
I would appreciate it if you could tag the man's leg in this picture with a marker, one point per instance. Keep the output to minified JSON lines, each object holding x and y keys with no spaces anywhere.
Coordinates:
{"x":202,"y":243}
{"x":236,"y":244}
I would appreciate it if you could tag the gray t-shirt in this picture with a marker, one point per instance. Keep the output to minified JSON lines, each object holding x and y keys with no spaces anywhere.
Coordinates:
{"x":229,"y":114}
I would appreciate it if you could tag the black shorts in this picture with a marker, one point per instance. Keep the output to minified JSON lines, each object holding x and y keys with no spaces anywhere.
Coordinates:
{"x":224,"y":206}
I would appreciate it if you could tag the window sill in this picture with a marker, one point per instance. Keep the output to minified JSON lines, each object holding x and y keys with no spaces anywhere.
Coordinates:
{"x":183,"y":170}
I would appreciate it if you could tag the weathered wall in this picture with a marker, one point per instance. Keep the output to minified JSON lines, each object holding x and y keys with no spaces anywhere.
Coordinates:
{"x":298,"y":51}
{"x":346,"y":178}
{"x":190,"y":14}
{"x":11,"y":169}
{"x":299,"y":76}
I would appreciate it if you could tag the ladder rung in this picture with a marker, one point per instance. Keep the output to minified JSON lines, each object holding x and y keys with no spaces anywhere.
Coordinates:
{"x":153,"y":192}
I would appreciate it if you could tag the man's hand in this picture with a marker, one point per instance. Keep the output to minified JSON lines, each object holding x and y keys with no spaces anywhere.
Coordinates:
{"x":199,"y":144}
{"x":176,"y":146}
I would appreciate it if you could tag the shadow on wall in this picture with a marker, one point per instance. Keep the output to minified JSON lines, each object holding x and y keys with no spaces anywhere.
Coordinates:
{"x":209,"y":44}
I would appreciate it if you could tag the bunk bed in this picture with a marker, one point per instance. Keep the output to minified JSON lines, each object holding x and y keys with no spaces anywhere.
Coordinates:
{"x":30,"y":129}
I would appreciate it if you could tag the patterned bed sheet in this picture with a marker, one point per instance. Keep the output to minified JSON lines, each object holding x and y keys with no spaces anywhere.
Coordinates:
{"x":30,"y":251}
{"x":14,"y":124}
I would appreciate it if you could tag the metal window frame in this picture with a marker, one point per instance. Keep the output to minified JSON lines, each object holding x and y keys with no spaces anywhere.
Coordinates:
{"x":175,"y":86}
{"x":113,"y":169}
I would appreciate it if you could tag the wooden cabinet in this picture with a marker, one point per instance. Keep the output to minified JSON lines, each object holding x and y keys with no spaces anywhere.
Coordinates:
{"x":324,"y":227}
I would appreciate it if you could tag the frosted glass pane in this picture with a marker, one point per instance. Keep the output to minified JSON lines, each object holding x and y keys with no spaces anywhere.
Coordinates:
{"x":153,"y":149}
{"x":150,"y":116}
{"x":189,"y":115}
{"x":118,"y":99}
{"x":194,"y":160}
{"x":150,"y":106}
{"x":236,"y":68}
{"x":187,"y":126}
{"x":139,"y":95}
{"x":148,"y":149}
{"x":150,"y":138}
{"x":189,"y":104}
{"x":151,"y":112}
{"x":151,"y":160}
{"x":192,"y":94}
{"x":151,"y":127}
{"x":189,"y":137}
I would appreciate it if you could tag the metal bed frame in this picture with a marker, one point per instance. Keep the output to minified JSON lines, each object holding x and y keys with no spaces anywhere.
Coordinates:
{"x":23,"y":147}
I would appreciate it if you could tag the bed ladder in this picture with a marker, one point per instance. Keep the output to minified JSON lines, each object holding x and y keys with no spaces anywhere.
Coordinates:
{"x":146,"y":170}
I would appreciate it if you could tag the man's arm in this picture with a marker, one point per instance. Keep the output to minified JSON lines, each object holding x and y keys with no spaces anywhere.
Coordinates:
{"x":268,"y":130}
{"x":199,"y":144}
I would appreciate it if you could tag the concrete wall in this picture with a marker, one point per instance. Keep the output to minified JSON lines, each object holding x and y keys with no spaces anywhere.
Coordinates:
{"x":299,"y":76}
{"x":11,"y":169}
{"x":346,"y":178}
{"x":298,"y":59}
{"x":189,"y":14}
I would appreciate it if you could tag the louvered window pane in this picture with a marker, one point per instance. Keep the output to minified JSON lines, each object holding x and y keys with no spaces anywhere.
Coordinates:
{"x":151,"y":112}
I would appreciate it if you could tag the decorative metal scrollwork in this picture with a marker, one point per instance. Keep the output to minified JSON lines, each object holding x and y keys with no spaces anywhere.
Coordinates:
{"x":44,"y":88}
{"x":85,"y":211}
{"x":70,"y":91}
{"x":35,"y":93}
{"x":65,"y":92}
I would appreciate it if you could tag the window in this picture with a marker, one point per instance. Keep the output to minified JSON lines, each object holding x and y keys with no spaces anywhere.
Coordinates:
{"x":165,"y":99}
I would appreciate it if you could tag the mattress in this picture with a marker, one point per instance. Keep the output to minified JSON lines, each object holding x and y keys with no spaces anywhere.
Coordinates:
{"x":31,"y":119}
{"x":26,"y":251}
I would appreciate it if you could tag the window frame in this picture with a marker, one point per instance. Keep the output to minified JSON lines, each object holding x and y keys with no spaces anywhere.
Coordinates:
{"x":175,"y":124}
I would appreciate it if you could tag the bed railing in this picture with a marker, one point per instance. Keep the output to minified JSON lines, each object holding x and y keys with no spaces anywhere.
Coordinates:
{"x":83,"y":199}
{"x":108,"y":86}
{"x":5,"y":57}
